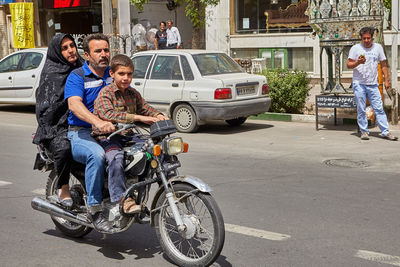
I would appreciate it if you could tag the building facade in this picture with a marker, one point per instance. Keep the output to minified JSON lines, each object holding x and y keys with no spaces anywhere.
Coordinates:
{"x":277,"y":31}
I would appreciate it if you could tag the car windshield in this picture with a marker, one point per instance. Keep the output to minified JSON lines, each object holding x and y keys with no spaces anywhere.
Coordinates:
{"x":216,"y":63}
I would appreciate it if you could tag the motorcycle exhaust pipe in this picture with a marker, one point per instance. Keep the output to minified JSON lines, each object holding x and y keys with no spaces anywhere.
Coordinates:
{"x":45,"y":206}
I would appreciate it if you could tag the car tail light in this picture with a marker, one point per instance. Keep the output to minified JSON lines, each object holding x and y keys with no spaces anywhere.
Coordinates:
{"x":265,"y":89}
{"x":223,"y":93}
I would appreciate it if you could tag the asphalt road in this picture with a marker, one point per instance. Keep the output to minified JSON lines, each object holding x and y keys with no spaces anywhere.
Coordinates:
{"x":290,"y":196}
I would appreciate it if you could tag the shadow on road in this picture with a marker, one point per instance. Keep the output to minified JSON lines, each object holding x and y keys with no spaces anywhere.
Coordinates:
{"x":223,"y":128}
{"x":139,"y":240}
{"x":331,"y":127}
{"x":18,"y":109}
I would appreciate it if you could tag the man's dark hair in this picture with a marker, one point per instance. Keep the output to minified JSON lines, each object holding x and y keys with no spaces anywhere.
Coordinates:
{"x":170,"y":21}
{"x":94,"y":36}
{"x":163,"y":22}
{"x":120,"y":60}
{"x":369,"y":30}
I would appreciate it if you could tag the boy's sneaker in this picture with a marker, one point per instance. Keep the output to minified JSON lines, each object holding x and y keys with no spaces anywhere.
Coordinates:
{"x":364,"y":136}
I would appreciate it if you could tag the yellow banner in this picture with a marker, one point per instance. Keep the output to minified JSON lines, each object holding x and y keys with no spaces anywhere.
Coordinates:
{"x":22,"y":25}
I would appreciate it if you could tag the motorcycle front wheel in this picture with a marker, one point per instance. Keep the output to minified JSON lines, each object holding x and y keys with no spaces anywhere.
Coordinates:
{"x":70,"y":229}
{"x":202,"y":241}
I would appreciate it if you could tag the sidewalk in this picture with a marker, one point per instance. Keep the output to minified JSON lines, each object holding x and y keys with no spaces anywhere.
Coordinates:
{"x":323,"y":119}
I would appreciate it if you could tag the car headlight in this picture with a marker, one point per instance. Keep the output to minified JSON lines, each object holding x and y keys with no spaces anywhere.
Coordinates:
{"x":173,"y":145}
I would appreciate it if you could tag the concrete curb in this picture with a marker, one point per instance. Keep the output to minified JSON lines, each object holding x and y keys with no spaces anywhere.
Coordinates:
{"x":323,"y":118}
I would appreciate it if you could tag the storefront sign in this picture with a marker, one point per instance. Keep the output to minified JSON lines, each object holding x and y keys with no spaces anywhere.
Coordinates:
{"x":3,"y":2}
{"x":22,"y":25}
{"x":65,"y":3}
{"x":332,"y":101}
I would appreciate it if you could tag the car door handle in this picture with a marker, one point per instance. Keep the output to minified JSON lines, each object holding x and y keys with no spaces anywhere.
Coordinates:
{"x":175,"y":84}
{"x":33,"y":76}
{"x":137,"y":83}
{"x":9,"y":77}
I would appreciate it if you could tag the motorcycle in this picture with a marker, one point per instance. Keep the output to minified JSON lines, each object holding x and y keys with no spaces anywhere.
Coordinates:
{"x":188,"y":222}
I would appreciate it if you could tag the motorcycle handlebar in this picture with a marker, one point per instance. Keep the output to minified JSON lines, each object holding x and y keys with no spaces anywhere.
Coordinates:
{"x":122,"y":127}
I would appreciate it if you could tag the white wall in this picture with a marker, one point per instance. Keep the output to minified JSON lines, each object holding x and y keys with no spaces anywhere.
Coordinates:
{"x":217,"y":27}
{"x":124,"y":20}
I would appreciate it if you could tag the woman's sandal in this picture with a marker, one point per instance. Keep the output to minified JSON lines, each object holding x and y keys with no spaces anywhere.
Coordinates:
{"x":66,"y":202}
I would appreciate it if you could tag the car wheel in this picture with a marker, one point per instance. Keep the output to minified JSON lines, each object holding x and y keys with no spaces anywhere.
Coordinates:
{"x":185,"y":119}
{"x":237,"y":121}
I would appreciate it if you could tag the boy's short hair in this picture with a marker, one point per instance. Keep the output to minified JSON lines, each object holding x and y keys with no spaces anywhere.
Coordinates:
{"x":369,"y":30}
{"x":120,"y":60}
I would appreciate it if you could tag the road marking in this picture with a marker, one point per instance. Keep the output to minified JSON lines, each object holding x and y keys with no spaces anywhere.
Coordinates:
{"x":3,"y":183}
{"x":39,"y":191}
{"x":378,"y":257}
{"x":17,"y":125}
{"x":255,"y":232}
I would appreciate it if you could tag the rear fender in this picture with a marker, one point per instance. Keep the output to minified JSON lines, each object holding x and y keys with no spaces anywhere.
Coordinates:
{"x":186,"y":179}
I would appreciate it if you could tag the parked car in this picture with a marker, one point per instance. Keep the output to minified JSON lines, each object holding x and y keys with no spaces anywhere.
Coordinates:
{"x":196,"y":86}
{"x":20,"y":75}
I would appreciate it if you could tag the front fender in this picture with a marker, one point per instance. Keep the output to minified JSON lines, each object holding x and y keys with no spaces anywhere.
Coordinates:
{"x":187,"y":179}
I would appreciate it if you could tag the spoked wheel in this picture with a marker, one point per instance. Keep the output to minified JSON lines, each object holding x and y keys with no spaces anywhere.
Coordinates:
{"x":77,"y":191}
{"x":202,"y":241}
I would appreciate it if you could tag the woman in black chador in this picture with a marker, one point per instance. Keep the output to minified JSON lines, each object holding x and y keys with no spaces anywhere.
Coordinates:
{"x":52,"y":109}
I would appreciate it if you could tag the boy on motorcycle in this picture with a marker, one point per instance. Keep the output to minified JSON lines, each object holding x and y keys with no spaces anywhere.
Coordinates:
{"x":120,"y":103}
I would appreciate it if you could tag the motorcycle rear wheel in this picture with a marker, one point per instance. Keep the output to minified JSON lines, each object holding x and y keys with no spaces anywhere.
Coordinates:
{"x":68,"y":228}
{"x":202,"y":242}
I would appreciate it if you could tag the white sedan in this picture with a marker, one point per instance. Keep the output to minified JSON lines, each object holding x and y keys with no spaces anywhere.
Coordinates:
{"x":20,"y":75}
{"x":195,"y":86}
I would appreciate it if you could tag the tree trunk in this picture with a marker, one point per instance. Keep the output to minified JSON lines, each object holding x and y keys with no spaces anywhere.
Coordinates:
{"x":196,"y":37}
{"x":198,"y":25}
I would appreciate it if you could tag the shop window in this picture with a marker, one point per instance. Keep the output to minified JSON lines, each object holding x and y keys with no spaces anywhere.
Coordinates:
{"x":301,"y":58}
{"x":291,"y":58}
{"x":244,"y":52}
{"x":274,"y":58}
{"x":260,"y":16}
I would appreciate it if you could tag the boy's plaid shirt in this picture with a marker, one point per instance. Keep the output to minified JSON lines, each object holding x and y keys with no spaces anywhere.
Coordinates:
{"x":113,"y":105}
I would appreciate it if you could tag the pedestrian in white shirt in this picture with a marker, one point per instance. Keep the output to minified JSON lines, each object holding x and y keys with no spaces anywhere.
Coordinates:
{"x":173,"y":36}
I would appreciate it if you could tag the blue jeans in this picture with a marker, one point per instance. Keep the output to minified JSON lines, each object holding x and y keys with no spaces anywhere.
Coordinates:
{"x":361,"y":93}
{"x":115,"y":161}
{"x":115,"y":166}
{"x":87,"y":151}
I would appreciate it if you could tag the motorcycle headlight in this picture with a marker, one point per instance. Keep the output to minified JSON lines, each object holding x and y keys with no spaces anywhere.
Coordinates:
{"x":173,"y":145}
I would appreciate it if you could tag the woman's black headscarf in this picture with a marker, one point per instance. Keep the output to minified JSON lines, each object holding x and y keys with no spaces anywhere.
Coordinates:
{"x":51,"y":108}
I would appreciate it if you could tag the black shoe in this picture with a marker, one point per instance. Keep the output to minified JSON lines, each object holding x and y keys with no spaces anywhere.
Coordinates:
{"x":100,"y":223}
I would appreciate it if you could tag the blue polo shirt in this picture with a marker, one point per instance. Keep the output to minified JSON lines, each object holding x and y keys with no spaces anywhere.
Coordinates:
{"x":84,"y":83}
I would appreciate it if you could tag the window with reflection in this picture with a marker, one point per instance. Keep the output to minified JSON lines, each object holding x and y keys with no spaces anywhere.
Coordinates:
{"x":31,"y":61}
{"x":140,"y":63}
{"x":10,"y":63}
{"x":260,"y":16}
{"x":166,"y":68}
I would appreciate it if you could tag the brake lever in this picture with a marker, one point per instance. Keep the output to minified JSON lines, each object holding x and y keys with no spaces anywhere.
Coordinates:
{"x":122,"y":127}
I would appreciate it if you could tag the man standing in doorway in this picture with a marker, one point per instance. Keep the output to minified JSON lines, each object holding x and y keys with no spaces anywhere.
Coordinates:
{"x":173,"y":36}
{"x":364,"y":59}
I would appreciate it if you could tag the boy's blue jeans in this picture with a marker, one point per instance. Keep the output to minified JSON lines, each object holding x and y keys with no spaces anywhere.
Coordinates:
{"x":361,"y":93}
{"x":115,"y":166}
{"x":87,"y":151}
{"x":115,"y":161}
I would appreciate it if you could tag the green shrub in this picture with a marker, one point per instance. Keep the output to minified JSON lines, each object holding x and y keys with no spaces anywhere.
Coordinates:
{"x":288,"y":90}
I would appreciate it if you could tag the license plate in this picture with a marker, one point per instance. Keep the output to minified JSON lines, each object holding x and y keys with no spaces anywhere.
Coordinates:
{"x":245,"y":90}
